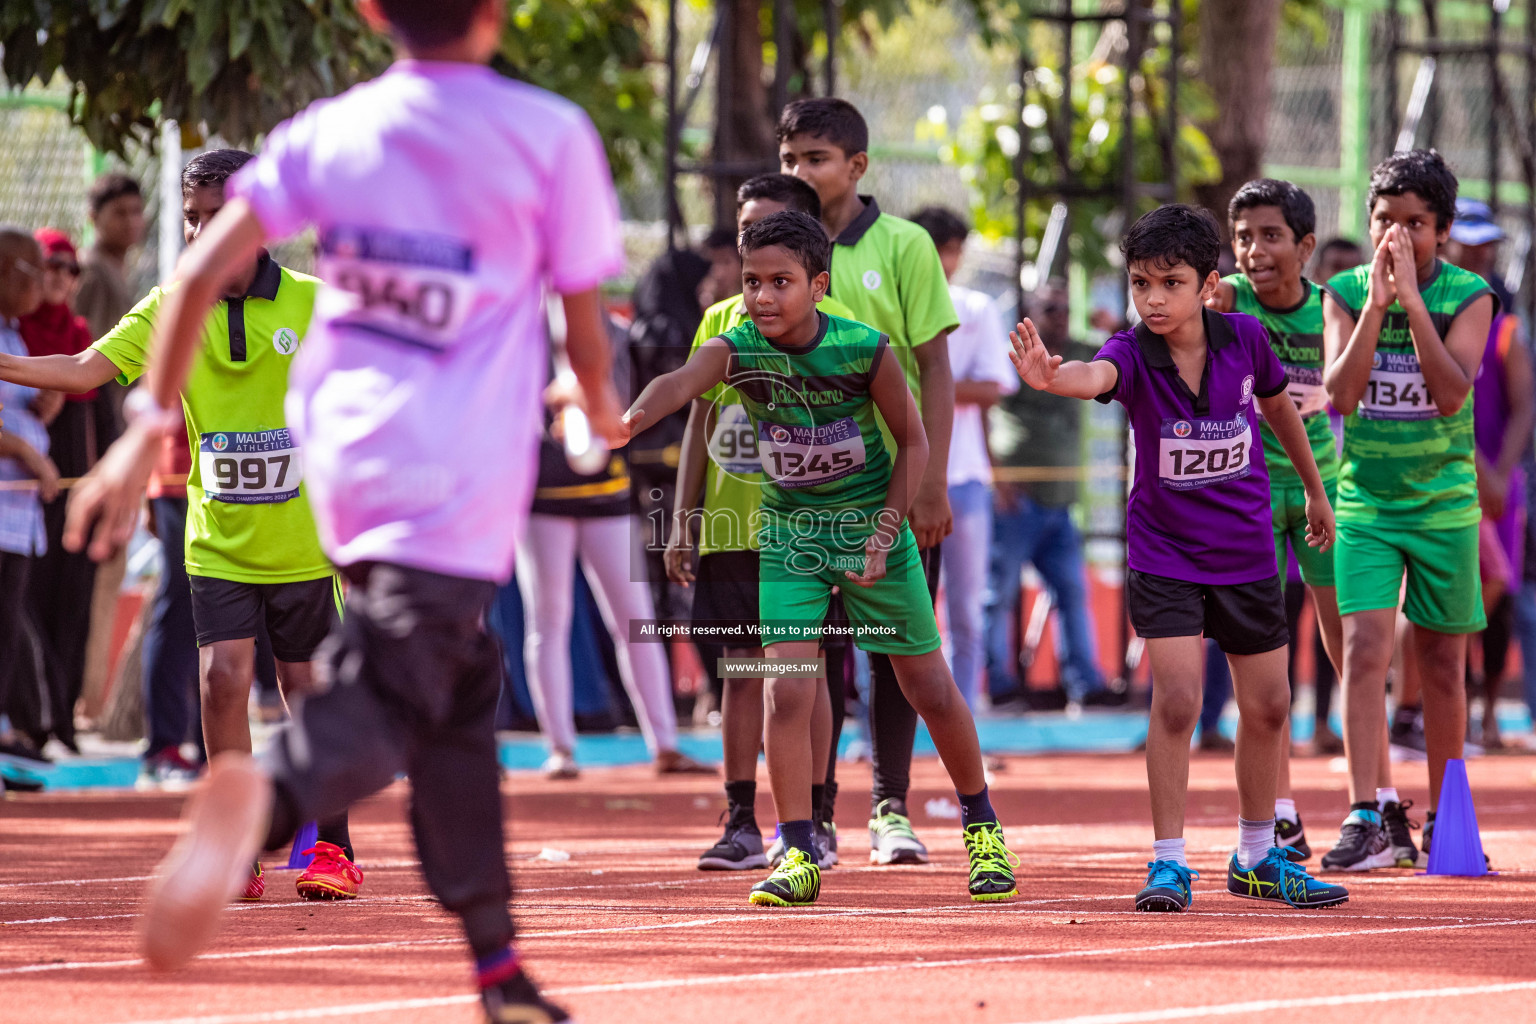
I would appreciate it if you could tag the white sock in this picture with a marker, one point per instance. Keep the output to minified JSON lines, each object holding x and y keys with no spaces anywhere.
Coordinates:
{"x":1169,"y":849}
{"x":1287,"y":809}
{"x":1254,"y":839}
{"x":1387,"y":796}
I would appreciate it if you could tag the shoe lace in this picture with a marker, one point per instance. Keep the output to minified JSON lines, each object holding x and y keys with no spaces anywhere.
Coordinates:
{"x":796,"y":870}
{"x":1355,"y":833}
{"x":988,"y":852}
{"x":1293,"y":877}
{"x":890,"y":824}
{"x":1397,"y":813}
{"x":1170,"y":872}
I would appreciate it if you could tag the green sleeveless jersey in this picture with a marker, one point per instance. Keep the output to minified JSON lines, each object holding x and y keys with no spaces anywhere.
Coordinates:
{"x":1296,"y":335}
{"x":1406,"y":465}
{"x":818,"y":436}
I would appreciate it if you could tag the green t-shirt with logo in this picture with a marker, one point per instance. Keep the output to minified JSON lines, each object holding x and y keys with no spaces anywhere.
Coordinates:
{"x":1405,"y":465}
{"x":1296,"y":335}
{"x":887,"y":272}
{"x":818,"y":438}
{"x":247,"y":517}
{"x":733,"y":476}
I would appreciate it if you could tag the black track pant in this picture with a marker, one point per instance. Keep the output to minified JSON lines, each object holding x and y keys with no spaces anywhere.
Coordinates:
{"x":892,"y":720}
{"x":413,"y":678}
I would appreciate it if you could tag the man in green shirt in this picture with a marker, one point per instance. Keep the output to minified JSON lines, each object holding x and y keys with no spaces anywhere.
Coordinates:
{"x":719,"y":464}
{"x":1404,"y":336}
{"x":887,"y":271}
{"x":252,"y":553}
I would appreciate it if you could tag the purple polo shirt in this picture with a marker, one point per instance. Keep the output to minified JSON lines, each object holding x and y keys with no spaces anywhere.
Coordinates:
{"x":1199,"y":505}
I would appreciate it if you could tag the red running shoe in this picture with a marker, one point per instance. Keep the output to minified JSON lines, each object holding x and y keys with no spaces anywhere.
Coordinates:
{"x":256,"y":886}
{"x":330,"y":876}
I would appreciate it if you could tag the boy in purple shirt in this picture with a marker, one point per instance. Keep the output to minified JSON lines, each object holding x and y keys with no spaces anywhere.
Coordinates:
{"x":446,"y":198}
{"x":1201,"y":558}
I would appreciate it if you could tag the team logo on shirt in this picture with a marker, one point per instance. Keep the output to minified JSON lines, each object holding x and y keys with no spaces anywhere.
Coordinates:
{"x":1182,"y":428}
{"x":1247,"y":389}
{"x":285,"y":340}
{"x":871,"y":279}
{"x":220,"y":442}
{"x":1376,"y":361}
{"x":779,"y":435}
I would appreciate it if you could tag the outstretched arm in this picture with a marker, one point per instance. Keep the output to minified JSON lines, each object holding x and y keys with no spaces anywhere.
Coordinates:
{"x":1045,"y":372}
{"x":71,"y":374}
{"x":671,"y":391}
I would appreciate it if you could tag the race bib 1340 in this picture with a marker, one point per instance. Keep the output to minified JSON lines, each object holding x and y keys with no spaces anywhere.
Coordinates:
{"x":415,"y":288}
{"x":1395,"y":390}
{"x":794,"y":456}
{"x":249,"y":467}
{"x":1200,"y":452}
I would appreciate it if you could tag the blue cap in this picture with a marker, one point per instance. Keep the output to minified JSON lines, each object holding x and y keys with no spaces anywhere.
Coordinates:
{"x":1474,"y":224}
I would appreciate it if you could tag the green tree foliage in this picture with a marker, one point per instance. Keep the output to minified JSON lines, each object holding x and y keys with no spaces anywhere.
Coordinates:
{"x":239,"y":67}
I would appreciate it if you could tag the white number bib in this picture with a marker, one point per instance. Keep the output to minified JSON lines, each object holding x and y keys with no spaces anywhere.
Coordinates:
{"x":1396,"y":389}
{"x":249,"y":468}
{"x":1198,"y":453}
{"x":733,"y":445}
{"x":411,"y":287}
{"x":1304,"y":386}
{"x":807,"y":456}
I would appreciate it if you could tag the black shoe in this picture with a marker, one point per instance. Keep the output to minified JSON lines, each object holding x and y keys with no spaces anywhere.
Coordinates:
{"x":1399,"y":828}
{"x":1429,"y":828}
{"x":1106,"y":699}
{"x":517,"y":1001}
{"x":1291,"y":836}
{"x":1407,"y":733}
{"x":24,"y":752}
{"x":1362,"y":846}
{"x":739,"y":849}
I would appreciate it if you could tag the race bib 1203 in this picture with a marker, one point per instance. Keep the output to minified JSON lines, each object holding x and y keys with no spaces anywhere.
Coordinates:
{"x":1395,"y":390}
{"x":1198,"y":453}
{"x":249,"y":467}
{"x":415,"y":288}
{"x":733,"y":445}
{"x":795,"y":456}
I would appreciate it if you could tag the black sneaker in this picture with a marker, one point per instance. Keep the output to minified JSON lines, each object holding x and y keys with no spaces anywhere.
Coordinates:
{"x":517,"y":1001}
{"x":1407,"y":734}
{"x":739,"y":849}
{"x":1362,"y":846}
{"x":1399,"y":828}
{"x":1291,"y":837}
{"x":20,"y":751}
{"x":1429,"y":828}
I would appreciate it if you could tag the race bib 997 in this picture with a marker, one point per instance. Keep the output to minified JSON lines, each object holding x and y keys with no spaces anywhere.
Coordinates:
{"x":733,"y":445}
{"x":795,"y":456}
{"x":1395,"y":390}
{"x":249,"y":468}
{"x":415,"y":288}
{"x":1198,"y":453}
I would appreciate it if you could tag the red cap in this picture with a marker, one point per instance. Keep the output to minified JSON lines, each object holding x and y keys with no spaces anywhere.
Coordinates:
{"x":54,"y":241}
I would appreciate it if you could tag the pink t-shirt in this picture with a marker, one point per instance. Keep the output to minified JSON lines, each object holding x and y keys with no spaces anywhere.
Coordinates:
{"x":446,"y":198}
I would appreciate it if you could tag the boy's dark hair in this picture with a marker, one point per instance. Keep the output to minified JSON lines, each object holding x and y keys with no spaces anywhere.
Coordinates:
{"x":942,"y":224}
{"x":1422,"y":172}
{"x":826,"y":117}
{"x":1338,"y":242}
{"x":212,"y":169}
{"x":109,"y":187}
{"x":720,"y":237}
{"x":1174,"y":234}
{"x":430,"y":22}
{"x":780,"y":188}
{"x":1294,"y":204}
{"x":798,"y":232}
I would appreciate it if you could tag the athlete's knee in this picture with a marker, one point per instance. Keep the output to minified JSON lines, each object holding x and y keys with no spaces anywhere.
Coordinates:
{"x":226,"y":682}
{"x":1367,"y":651}
{"x":788,"y":698}
{"x":1267,"y":710}
{"x":1176,"y":710}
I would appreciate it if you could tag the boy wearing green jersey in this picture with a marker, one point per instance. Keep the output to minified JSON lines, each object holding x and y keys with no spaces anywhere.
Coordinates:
{"x":833,"y":513}
{"x":1404,"y":336}
{"x":252,"y":553}
{"x":719,"y":486}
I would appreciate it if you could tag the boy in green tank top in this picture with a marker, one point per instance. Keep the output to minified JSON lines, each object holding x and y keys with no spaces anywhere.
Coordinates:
{"x":833,"y":513}
{"x":1404,"y":336}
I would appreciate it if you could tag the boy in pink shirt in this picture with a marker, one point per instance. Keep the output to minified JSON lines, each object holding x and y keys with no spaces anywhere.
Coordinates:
{"x":446,"y":198}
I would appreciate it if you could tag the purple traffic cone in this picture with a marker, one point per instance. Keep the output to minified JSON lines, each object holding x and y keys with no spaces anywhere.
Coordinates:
{"x":1457,"y":847}
{"x":308,"y":835}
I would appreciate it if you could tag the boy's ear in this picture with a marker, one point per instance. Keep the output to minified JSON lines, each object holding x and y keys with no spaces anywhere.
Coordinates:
{"x":1212,"y":282}
{"x":1306,"y":247}
{"x":859,"y":164}
{"x":819,"y":285}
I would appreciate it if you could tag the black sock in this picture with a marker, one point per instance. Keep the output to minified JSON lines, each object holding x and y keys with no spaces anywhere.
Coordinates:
{"x":334,"y":830}
{"x":976,"y":808}
{"x":829,"y":801}
{"x":799,"y":835}
{"x":818,"y":800}
{"x":742,"y":795}
{"x":285,"y":820}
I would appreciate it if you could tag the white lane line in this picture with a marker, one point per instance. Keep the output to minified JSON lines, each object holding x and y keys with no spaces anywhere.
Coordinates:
{"x":1270,"y":1005}
{"x":270,"y":1017}
{"x":74,"y":881}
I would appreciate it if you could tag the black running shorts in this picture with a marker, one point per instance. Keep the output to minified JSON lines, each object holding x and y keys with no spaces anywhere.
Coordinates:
{"x":297,"y":615}
{"x":1243,"y":618}
{"x":725,"y":599}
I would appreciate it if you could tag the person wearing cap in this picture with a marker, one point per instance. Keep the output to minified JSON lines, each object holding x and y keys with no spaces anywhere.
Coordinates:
{"x":1503,"y":412}
{"x":61,"y":581}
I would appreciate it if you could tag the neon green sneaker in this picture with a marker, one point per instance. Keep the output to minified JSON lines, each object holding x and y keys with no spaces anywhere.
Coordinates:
{"x":992,"y":863}
{"x":796,"y":882}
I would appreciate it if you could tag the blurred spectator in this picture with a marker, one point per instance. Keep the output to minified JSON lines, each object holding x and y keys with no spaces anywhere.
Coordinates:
{"x":724,"y":277}
{"x":1033,"y":520}
{"x":1336,"y":256}
{"x":23,"y":456}
{"x":62,"y":581}
{"x":1474,"y":246}
{"x":1213,"y":701}
{"x":978,"y":358}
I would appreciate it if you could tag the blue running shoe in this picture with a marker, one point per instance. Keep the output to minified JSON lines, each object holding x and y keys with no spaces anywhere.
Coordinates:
{"x":1279,"y":879}
{"x":1167,"y":889}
